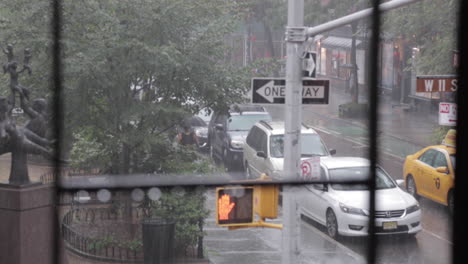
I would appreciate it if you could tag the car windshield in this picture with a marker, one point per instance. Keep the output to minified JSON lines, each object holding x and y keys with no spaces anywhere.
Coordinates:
{"x":382,"y":180}
{"x":311,"y":145}
{"x":245,"y":122}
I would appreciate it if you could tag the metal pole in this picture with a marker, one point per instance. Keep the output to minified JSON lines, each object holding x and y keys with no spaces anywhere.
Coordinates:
{"x":312,"y":31}
{"x":293,"y":120}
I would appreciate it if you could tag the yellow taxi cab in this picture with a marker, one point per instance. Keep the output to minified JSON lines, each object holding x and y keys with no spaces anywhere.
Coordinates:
{"x":430,"y":172}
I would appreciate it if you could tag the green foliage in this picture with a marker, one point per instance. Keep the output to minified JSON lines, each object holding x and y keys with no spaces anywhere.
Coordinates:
{"x":186,"y":208}
{"x":26,"y":24}
{"x":132,"y":244}
{"x":266,"y":67}
{"x":177,"y":159}
{"x":438,"y":134}
{"x":133,"y":72}
{"x":87,"y":152}
{"x":430,"y":26}
{"x":103,"y":242}
{"x":112,"y":241}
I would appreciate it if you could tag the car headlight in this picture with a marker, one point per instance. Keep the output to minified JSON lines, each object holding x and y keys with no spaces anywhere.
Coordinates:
{"x":237,"y":144}
{"x":353,"y":210}
{"x":412,"y":209}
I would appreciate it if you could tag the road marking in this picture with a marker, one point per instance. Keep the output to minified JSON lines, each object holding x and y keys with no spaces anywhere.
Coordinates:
{"x":248,"y":252}
{"x":326,"y":131}
{"x":358,"y":146}
{"x":322,"y":130}
{"x":224,"y":239}
{"x":437,"y":236}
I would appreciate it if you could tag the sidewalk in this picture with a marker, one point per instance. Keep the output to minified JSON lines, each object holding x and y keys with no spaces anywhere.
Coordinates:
{"x":264,"y":245}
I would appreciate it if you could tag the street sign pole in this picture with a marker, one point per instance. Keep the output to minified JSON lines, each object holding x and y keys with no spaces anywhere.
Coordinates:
{"x":293,"y":122}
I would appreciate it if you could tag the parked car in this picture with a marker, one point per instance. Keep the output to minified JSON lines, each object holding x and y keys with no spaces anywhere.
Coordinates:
{"x":344,"y":208}
{"x":430,"y":172}
{"x":263,"y":151}
{"x":227,"y":132}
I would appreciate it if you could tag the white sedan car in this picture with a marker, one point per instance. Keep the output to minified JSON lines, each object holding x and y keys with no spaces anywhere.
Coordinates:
{"x":344,"y":208}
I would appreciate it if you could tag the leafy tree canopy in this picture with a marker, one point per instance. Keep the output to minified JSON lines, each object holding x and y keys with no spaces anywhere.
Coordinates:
{"x":133,"y":70}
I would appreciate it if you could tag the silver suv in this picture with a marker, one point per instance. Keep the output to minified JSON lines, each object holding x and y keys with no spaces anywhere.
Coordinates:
{"x":263,"y":148}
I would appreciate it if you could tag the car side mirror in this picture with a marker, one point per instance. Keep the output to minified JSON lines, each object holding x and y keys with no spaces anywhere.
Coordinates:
{"x":401,"y":183}
{"x":219,"y":127}
{"x":442,"y":169}
{"x":332,"y":151}
{"x":261,"y":154}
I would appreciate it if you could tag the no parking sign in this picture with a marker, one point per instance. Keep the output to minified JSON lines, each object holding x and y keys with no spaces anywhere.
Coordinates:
{"x":310,"y":168}
{"x":447,"y":114}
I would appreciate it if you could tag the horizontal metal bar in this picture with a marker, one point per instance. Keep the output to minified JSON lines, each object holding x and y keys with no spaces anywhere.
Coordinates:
{"x":163,"y":180}
{"x":312,"y":31}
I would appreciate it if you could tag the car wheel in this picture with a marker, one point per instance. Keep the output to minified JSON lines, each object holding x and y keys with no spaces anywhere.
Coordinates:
{"x":332,"y":224}
{"x":451,"y":202}
{"x":411,"y":187}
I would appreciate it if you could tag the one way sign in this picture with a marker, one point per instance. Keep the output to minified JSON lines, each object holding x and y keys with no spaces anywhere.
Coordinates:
{"x":273,"y":91}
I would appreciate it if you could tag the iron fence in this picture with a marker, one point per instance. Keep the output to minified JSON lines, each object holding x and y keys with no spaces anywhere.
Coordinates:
{"x":98,"y":248}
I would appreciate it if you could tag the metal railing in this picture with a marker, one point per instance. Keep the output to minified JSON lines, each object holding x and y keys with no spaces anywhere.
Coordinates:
{"x":101,"y":248}
{"x":96,"y":248}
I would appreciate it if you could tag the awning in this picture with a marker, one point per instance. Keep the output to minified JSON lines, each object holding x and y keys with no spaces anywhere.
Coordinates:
{"x":338,"y":42}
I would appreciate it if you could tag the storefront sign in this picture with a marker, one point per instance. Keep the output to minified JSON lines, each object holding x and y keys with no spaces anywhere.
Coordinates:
{"x":432,"y":84}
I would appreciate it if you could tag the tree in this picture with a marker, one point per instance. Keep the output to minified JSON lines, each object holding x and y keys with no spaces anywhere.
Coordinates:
{"x":431,"y":27}
{"x":131,"y":70}
{"x":27,"y":24}
{"x":271,"y":14}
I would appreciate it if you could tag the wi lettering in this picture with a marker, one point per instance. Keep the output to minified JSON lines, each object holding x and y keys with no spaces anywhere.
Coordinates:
{"x":440,"y":85}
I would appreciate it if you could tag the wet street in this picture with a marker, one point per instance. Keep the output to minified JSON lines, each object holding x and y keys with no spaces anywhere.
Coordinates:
{"x":262,"y":245}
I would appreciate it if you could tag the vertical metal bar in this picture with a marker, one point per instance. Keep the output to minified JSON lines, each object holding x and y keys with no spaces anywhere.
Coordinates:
{"x":56,"y":22}
{"x":460,"y":229}
{"x":373,"y":126}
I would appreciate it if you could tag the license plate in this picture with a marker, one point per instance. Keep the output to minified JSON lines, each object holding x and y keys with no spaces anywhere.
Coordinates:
{"x":390,"y":225}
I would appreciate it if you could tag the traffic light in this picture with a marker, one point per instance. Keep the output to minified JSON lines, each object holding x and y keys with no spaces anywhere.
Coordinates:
{"x":266,"y":201}
{"x":234,"y":206}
